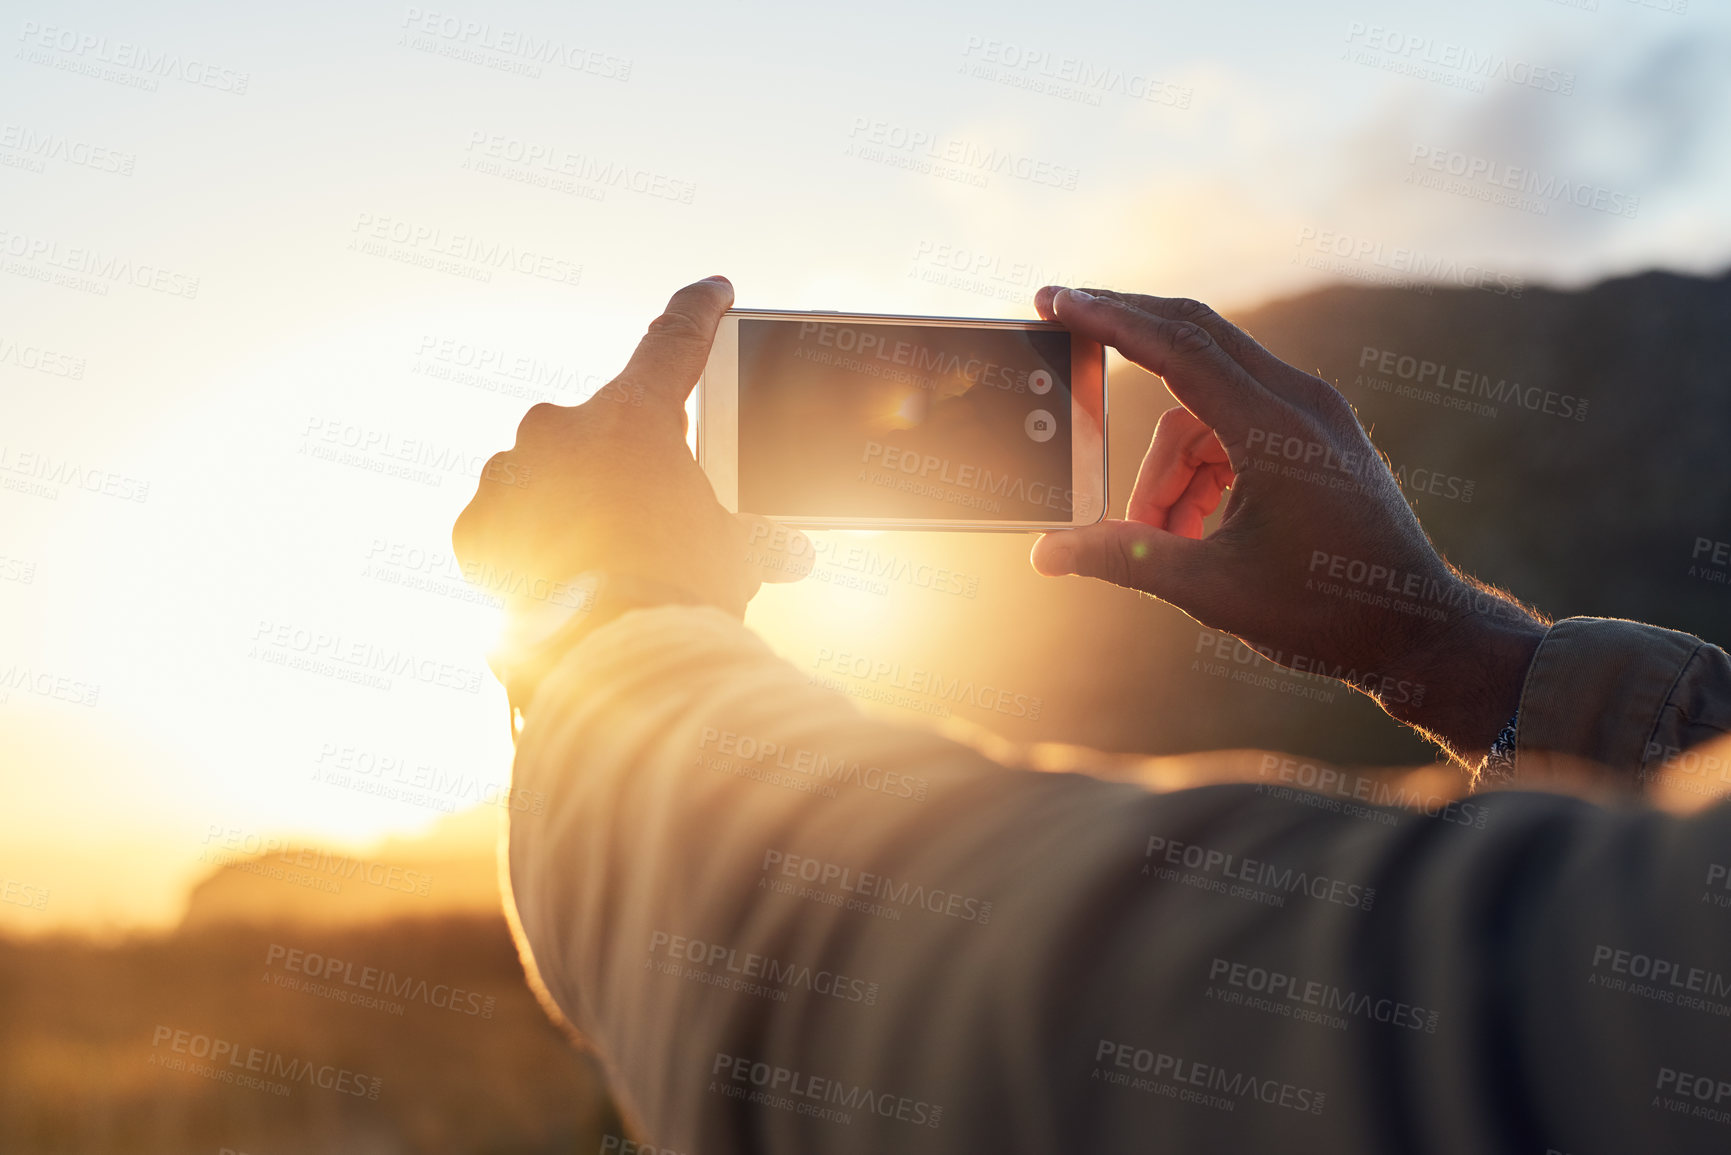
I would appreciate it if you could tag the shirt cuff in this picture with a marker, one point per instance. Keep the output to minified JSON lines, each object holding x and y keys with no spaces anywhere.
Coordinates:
{"x":1595,"y":692}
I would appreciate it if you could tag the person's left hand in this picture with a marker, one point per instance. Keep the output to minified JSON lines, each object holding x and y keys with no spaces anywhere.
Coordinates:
{"x":610,"y":485}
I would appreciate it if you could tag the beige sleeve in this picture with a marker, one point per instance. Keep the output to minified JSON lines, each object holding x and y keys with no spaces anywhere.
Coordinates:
{"x":1631,"y":698}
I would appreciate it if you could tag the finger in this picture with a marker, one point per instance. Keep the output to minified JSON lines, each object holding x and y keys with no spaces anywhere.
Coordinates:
{"x":1128,"y":554}
{"x":1189,"y":512}
{"x":1198,"y":371}
{"x":1183,"y":451}
{"x":468,"y":535}
{"x":1239,"y":345}
{"x":670,"y":358}
{"x":774,"y":552}
{"x":1043,"y":302}
{"x":1286,"y":381}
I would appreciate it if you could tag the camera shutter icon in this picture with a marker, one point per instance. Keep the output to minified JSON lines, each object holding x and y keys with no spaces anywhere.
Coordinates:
{"x":1040,"y":425}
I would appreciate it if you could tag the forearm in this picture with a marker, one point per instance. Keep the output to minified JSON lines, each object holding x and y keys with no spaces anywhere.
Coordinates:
{"x":1599,"y":700}
{"x":1471,"y":678}
{"x":691,"y":778}
{"x":1000,"y":952}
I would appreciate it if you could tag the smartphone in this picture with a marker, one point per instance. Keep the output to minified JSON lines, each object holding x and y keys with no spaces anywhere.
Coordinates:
{"x":875,"y":421}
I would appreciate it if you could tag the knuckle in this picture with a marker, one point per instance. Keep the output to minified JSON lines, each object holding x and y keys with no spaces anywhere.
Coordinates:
{"x":499,"y":468}
{"x":1186,"y":309}
{"x":463,"y":530}
{"x":677,"y":326}
{"x":539,"y":416}
{"x":1189,"y":338}
{"x":1118,"y":564}
{"x":1327,"y":399}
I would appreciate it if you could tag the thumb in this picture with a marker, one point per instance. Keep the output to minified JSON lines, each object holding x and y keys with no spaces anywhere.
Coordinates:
{"x":1126,"y":553}
{"x":671,"y":356}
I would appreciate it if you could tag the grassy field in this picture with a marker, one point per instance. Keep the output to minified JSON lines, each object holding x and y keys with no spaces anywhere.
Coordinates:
{"x":410,"y":1036}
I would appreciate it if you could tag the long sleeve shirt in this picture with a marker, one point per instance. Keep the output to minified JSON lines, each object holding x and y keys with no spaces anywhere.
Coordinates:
{"x":785,"y":926}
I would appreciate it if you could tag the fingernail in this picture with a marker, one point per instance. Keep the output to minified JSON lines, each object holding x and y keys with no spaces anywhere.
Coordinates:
{"x":720,"y":278}
{"x":1077,"y":295}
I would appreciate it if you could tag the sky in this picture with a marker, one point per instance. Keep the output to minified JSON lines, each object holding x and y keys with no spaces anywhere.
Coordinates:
{"x":276,"y":279}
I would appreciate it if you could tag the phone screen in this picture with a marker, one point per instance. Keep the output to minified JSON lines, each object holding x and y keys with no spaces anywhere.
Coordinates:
{"x":883,"y":420}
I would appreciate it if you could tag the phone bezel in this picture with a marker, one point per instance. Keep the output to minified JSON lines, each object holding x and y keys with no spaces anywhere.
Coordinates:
{"x":718,"y":420}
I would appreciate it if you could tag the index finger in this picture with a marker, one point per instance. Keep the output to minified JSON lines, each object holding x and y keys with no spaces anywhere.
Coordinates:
{"x":670,"y":358}
{"x":1239,"y":345}
{"x":1195,"y":368}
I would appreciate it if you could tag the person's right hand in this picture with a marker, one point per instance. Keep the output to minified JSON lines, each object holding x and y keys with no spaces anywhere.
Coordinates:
{"x":1318,"y":562}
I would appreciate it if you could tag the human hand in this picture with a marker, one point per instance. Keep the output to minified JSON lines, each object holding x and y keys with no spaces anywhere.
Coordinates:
{"x":610,"y":485}
{"x":1318,"y":563}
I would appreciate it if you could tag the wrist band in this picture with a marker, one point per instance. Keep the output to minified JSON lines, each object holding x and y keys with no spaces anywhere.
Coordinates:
{"x":1499,"y":764}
